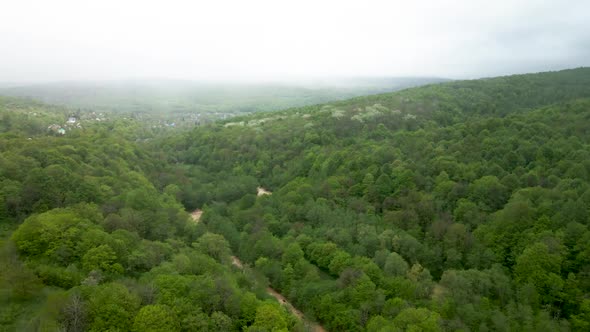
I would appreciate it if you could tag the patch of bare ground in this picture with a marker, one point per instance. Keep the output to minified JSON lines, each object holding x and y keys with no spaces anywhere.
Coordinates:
{"x":196,"y":215}
{"x":236,"y":261}
{"x":262,"y":192}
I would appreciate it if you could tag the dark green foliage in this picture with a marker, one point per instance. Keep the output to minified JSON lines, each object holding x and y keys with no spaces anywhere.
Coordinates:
{"x":456,"y":206}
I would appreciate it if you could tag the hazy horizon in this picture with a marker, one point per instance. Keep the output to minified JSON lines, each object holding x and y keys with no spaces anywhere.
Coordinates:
{"x":328,"y":81}
{"x":269,"y":41}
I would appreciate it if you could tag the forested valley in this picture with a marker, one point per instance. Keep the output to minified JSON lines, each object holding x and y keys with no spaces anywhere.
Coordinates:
{"x":456,"y":206}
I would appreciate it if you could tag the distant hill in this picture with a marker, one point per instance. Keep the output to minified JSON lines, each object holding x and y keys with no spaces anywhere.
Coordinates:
{"x":444,"y":103}
{"x":188,"y":96}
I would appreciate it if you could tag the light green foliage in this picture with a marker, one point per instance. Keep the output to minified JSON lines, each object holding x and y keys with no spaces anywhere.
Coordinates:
{"x":292,"y":254}
{"x":270,"y":317}
{"x":214,"y":245}
{"x":48,"y":234}
{"x":581,"y":321}
{"x":538,"y":266}
{"x":111,"y":306}
{"x":155,"y":318}
{"x":417,"y":320}
{"x":220,"y":322}
{"x":380,"y":324}
{"x":340,"y":261}
{"x":101,"y":258}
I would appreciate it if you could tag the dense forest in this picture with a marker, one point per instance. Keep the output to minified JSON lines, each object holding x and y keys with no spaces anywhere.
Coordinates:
{"x":459,"y":206}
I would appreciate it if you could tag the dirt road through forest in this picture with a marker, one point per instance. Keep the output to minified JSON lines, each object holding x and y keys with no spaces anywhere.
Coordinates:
{"x":283,"y":301}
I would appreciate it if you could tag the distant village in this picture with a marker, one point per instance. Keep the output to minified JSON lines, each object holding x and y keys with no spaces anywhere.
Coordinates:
{"x":81,"y":118}
{"x":74,"y":121}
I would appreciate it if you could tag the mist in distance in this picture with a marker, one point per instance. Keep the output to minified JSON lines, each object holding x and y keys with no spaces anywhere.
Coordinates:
{"x":294,"y":41}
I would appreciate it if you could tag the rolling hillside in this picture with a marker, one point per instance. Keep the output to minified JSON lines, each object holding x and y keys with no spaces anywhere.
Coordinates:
{"x":460,"y":205}
{"x":454,"y":206}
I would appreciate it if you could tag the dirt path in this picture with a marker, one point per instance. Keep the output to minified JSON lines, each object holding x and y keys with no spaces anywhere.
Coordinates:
{"x":236,"y":261}
{"x":261,"y":192}
{"x":283,"y":301}
{"x":196,"y":215}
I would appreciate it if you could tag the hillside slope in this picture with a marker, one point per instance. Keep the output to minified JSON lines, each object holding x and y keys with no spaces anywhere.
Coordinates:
{"x":461,"y":205}
{"x":454,"y":206}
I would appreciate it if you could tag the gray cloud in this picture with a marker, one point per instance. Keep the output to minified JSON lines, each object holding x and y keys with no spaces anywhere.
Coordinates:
{"x":260,"y":39}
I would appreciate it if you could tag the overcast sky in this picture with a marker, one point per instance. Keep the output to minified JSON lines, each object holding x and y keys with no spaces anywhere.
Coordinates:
{"x":251,"y":39}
